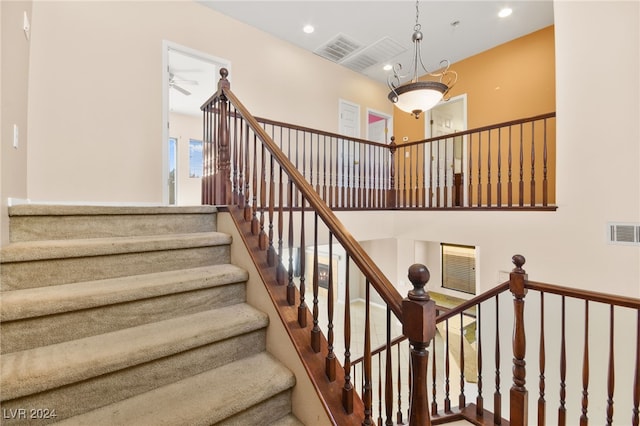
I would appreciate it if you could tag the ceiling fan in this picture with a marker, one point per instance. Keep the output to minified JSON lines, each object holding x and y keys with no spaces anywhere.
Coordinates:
{"x":176,"y":82}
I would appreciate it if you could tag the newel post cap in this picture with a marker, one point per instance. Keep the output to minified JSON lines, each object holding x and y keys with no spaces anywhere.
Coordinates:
{"x":518,"y":276}
{"x":223,"y":83}
{"x":418,"y":310}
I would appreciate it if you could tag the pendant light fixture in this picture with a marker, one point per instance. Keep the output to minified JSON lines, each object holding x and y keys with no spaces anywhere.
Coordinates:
{"x":416,"y":96}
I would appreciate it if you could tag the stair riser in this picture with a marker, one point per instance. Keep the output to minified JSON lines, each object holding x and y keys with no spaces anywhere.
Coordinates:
{"x":34,"y":228}
{"x":21,"y":275}
{"x":41,"y":331}
{"x":116,"y":386}
{"x":267,"y":412}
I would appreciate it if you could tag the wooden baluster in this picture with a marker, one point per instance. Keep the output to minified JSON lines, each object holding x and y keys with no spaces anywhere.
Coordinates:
{"x":321,"y":193}
{"x":510,"y":183}
{"x":248,"y":209}
{"x":280,"y":270}
{"x":399,"y":412}
{"x":479,"y":398}
{"x":391,"y":191}
{"x":423,"y":168}
{"x":562,"y":411}
{"x":271,"y":251}
{"x":366,"y":394}
{"x":297,"y":145}
{"x":361,"y":168}
{"x":479,"y":202}
{"x":371,"y":177}
{"x":241,"y":199}
{"x":234,"y":165}
{"x":388,"y":376}
{"x":405,"y":175}
{"x":521,"y":183}
{"x":499,"y":191}
{"x":262,"y":235}
{"x":584,"y":419}
{"x":447,"y":167}
{"x":518,"y":395}
{"x":545,"y":189}
{"x":255,"y":223}
{"x":344,"y":159}
{"x":533,"y":165}
{"x":470,"y":172}
{"x":324,"y":170}
{"x":497,"y":397}
{"x":489,"y":189}
{"x":416,"y":186}
{"x":331,"y":361}
{"x":379,"y":389}
{"x":447,"y":400}
{"x":291,"y":289}
{"x":349,"y":161}
{"x":462,"y":401}
{"x":206,"y":142}
{"x":419,"y":325}
{"x":347,"y":390}
{"x":332,"y":196}
{"x":431,"y":160}
{"x":434,"y":387}
{"x":302,"y":306}
{"x":635,"y":418}
{"x":315,"y":330}
{"x":611,"y":374}
{"x":542,"y":363}
{"x":438,"y":175}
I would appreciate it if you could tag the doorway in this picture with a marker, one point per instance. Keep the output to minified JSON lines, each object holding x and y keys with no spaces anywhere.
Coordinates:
{"x":446,"y":159}
{"x":190,"y":77}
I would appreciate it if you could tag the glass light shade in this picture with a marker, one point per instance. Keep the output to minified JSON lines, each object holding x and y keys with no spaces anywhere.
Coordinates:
{"x":418,"y":96}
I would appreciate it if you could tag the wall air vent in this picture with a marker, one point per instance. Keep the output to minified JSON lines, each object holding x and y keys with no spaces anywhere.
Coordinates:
{"x":623,"y":233}
{"x":379,"y":52}
{"x":338,"y":48}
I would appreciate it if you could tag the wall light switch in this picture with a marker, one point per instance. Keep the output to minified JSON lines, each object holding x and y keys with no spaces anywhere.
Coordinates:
{"x":15,"y":136}
{"x":26,"y":26}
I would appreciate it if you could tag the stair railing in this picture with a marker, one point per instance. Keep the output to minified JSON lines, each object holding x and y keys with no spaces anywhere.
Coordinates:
{"x":509,"y":165}
{"x":270,"y":200}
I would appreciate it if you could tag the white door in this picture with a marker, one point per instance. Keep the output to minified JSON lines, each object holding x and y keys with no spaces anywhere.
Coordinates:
{"x":348,"y":153}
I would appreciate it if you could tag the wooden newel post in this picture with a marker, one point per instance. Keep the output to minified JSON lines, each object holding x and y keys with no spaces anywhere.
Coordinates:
{"x":222,"y":175}
{"x":391,"y":191}
{"x":419,"y":325}
{"x":518,"y":396}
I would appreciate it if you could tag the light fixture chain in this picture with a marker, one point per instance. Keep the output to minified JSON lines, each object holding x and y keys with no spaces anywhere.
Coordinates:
{"x":417,"y":26}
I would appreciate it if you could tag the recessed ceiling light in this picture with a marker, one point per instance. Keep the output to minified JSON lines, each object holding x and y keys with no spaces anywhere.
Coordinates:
{"x":308,"y":29}
{"x":387,"y":67}
{"x":505,"y":12}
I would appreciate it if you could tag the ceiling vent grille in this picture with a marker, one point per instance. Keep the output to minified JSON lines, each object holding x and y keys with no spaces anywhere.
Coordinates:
{"x":624,"y":233}
{"x":338,"y":48}
{"x":381,"y":51}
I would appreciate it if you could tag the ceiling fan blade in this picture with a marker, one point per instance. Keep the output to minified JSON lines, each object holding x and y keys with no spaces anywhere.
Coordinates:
{"x":180,"y":89}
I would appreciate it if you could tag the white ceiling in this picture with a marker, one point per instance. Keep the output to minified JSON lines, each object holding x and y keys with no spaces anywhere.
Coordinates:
{"x":367,"y":22}
{"x":479,"y":28}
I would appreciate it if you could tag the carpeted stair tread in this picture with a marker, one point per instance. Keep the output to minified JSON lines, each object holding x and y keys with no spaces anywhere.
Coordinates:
{"x":56,"y":249}
{"x":84,"y":210}
{"x":289,"y":420}
{"x":195,"y":401}
{"x":34,"y":370}
{"x":40,"y":301}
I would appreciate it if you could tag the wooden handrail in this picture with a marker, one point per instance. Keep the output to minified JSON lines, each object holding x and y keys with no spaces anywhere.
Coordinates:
{"x":483,"y":129}
{"x":591,"y":296}
{"x":367,"y":266}
{"x":473,"y":302}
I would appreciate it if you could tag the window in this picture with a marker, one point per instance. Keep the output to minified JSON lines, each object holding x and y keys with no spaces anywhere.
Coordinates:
{"x":459,"y":267}
{"x":195,"y":158}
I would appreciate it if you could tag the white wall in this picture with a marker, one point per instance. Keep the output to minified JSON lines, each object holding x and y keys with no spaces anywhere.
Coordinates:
{"x":14,"y":87}
{"x":95,"y":91}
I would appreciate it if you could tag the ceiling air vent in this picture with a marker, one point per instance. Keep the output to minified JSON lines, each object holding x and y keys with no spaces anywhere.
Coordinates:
{"x":338,"y":48}
{"x":381,"y":51}
{"x":624,"y":233}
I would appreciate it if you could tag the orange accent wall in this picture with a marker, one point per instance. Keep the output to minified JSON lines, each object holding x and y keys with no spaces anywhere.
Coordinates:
{"x":510,"y":81}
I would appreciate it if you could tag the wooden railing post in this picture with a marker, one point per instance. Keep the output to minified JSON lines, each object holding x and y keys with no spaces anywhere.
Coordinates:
{"x":419,"y":325}
{"x":391,"y":191}
{"x":222,"y":174}
{"x":518,"y":396}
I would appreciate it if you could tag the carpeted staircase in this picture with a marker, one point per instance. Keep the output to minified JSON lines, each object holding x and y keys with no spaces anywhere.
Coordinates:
{"x":131,"y":316}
